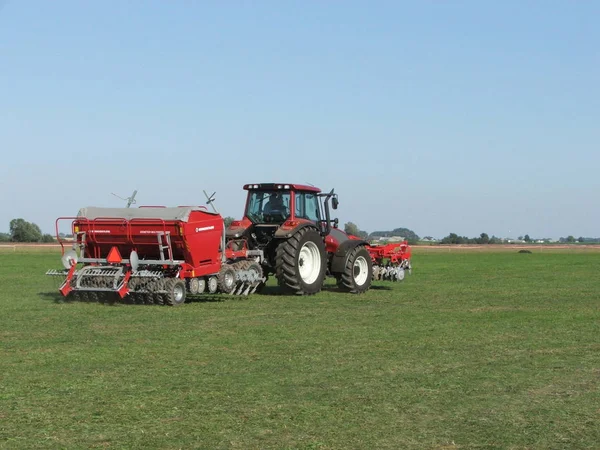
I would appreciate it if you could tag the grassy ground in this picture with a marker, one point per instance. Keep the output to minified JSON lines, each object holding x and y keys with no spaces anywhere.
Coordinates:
{"x":474,"y":350}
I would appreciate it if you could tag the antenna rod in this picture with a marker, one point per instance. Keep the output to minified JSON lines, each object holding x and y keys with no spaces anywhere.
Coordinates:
{"x":130,"y":200}
{"x":210,"y":199}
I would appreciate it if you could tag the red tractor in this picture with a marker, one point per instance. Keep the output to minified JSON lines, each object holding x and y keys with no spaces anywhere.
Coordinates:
{"x":292,"y":226}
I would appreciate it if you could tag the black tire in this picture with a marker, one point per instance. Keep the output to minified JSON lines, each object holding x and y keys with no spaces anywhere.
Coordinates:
{"x":253,"y":266}
{"x":155,"y":297}
{"x":291,"y":256}
{"x":175,"y":295}
{"x":226,"y":279}
{"x":358,"y":271}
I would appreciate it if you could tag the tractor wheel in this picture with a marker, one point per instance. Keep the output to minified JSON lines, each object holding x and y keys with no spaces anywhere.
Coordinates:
{"x":226,"y":279}
{"x":358,"y":273}
{"x":175,"y":292}
{"x":300,"y":262}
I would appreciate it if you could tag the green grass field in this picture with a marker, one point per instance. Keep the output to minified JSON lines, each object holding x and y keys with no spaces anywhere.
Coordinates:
{"x":474,"y":350}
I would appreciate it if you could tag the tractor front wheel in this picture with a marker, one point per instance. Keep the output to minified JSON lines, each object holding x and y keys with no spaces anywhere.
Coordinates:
{"x":358,"y":271}
{"x":300,"y":262}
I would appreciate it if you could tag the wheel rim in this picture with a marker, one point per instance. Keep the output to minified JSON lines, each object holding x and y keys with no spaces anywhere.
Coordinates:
{"x":309,"y":262}
{"x":400,"y":274}
{"x":229,"y":279}
{"x":360,"y":270}
{"x":201,"y":286}
{"x":178,"y":293}
{"x":255,"y":271}
{"x":194,"y":285}
{"x":212,"y":285}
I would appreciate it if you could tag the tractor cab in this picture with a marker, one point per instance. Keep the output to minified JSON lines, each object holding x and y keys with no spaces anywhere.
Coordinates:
{"x":271,"y":206}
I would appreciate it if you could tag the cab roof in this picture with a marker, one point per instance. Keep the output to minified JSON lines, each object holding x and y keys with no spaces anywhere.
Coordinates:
{"x":282,"y":186}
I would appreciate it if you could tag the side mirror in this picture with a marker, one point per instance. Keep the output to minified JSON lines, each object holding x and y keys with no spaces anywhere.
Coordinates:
{"x":335,"y":202}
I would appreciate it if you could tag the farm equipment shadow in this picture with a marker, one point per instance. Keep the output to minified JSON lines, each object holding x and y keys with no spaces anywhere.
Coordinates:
{"x":373,"y":288}
{"x":379,"y":287}
{"x":115,"y":301}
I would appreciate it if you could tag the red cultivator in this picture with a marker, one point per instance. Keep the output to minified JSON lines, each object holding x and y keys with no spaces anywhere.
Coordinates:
{"x":390,"y":261}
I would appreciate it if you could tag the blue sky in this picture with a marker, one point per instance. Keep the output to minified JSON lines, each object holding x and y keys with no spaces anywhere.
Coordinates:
{"x":442,"y":117}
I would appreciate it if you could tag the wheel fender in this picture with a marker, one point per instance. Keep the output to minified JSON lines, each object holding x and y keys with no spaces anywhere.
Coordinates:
{"x":285,"y":232}
{"x":338,"y":261}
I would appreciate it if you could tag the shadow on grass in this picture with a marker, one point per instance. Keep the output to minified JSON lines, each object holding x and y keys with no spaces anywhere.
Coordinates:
{"x":374,"y":287}
{"x":112,"y":299}
{"x":53,"y":296}
{"x":59,"y":298}
{"x":272,"y":290}
{"x":380,"y":287}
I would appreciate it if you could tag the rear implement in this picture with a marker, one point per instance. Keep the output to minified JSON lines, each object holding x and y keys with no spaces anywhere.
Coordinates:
{"x":390,"y":261}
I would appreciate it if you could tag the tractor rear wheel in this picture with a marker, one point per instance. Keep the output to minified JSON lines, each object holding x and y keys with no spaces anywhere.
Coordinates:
{"x":300,"y":262}
{"x":358,"y":271}
{"x":175,"y":295}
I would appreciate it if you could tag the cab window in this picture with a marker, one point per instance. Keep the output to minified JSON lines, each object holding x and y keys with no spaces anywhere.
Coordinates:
{"x":307,"y":206}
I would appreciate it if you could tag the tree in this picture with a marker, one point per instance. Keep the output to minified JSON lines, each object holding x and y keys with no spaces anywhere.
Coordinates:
{"x":407,"y":234}
{"x":483,"y":239}
{"x":228,"y":221}
{"x":363,"y":234}
{"x":23,"y":231}
{"x":452,"y":238}
{"x":520,"y":238}
{"x":351,"y":228}
{"x":527,"y":238}
{"x":580,"y":239}
{"x":4,"y":237}
{"x":47,"y":238}
{"x":570,"y":239}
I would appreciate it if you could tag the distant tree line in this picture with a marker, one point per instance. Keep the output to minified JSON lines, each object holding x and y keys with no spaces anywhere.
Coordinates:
{"x":483,"y":238}
{"x":409,"y":235}
{"x":580,"y":239}
{"x":22,"y":231}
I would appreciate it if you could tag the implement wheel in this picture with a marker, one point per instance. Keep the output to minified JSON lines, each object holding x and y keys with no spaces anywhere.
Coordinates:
{"x":226,"y":279}
{"x":175,"y":295}
{"x":300,"y":262}
{"x":358,"y":271}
